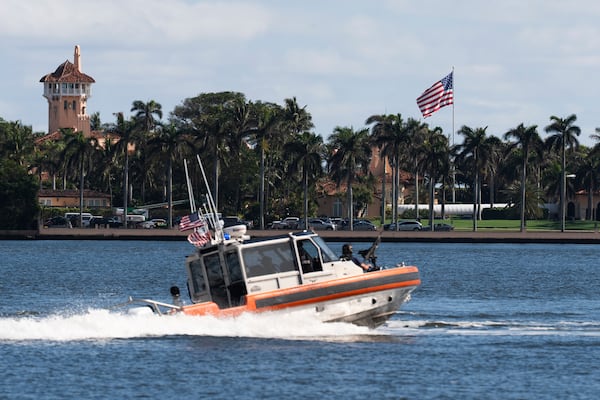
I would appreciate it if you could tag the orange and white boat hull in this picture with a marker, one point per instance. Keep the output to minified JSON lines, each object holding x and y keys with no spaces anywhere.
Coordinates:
{"x":366,"y":299}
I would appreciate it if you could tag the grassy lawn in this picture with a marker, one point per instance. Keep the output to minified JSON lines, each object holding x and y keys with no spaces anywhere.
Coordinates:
{"x":514,"y":225}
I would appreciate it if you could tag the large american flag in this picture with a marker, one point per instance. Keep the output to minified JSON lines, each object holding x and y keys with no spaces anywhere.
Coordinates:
{"x":190,"y":222}
{"x":437,"y":96}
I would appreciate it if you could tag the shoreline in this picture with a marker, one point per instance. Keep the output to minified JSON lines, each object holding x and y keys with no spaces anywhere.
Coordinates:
{"x":495,"y":236}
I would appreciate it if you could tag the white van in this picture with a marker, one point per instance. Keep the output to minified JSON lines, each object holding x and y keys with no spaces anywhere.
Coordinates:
{"x":135,"y":218}
{"x":74,"y":218}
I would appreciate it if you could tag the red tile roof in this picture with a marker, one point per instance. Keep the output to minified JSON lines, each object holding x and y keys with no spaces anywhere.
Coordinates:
{"x":66,"y":72}
{"x":71,"y":193}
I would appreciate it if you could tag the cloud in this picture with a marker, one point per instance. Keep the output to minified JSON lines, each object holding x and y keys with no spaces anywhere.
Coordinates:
{"x":514,"y":61}
{"x":145,"y":22}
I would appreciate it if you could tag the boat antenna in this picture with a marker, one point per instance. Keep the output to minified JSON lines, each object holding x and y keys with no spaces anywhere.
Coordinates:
{"x":209,"y":215}
{"x":211,"y":204}
{"x":189,"y":187}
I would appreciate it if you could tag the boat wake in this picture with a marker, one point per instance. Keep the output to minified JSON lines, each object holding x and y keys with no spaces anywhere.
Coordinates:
{"x":416,"y":327}
{"x":99,"y":324}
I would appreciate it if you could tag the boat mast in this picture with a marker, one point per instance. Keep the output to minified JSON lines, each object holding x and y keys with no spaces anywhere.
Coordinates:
{"x":189,"y":188}
{"x":212,"y":215}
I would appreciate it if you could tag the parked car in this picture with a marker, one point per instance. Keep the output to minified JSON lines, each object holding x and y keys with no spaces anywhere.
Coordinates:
{"x":317,"y":224}
{"x":361,"y":225}
{"x":338,"y":222}
{"x":73,"y":217}
{"x":234,"y":220}
{"x":115,"y":222}
{"x":57,"y":222}
{"x":439,"y":227}
{"x":404,"y":226}
{"x":286,"y":223}
{"x":153,"y":223}
{"x":274,"y":225}
{"x":98,"y":221}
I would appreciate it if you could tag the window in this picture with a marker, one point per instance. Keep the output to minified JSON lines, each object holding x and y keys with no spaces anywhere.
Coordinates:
{"x":96,"y":202}
{"x":233,"y":264}
{"x":327,"y":254}
{"x":271,"y":259}
{"x":197,"y":276}
{"x":337,"y":207}
{"x":309,"y":256}
{"x":213,"y":269}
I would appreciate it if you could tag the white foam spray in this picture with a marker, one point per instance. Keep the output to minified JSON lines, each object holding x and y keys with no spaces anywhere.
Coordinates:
{"x":97,"y":324}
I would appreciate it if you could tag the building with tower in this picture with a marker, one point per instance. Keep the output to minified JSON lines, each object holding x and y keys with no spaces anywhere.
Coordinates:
{"x":67,"y":90}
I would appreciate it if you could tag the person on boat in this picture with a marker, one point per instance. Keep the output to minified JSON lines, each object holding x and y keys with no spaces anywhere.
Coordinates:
{"x":347,"y":255}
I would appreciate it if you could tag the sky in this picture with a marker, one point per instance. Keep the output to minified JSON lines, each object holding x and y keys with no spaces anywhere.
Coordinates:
{"x":514,"y":61}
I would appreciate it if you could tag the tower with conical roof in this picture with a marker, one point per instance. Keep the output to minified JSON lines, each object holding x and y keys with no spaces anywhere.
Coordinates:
{"x":67,"y":90}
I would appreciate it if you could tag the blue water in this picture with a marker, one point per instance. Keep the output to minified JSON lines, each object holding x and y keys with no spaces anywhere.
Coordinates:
{"x":494,"y":321}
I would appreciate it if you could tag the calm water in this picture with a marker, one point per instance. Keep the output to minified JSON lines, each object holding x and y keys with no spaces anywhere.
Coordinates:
{"x":489,"y":321}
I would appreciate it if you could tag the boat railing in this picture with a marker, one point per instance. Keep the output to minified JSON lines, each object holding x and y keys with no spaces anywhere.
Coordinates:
{"x":157,"y":307}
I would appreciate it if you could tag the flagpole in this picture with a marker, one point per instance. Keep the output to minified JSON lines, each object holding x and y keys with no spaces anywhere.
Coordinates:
{"x":439,"y":95}
{"x":453,"y":166}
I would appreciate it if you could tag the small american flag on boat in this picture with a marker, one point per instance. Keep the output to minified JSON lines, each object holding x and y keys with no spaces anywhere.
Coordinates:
{"x":200,"y":236}
{"x":191,"y":221}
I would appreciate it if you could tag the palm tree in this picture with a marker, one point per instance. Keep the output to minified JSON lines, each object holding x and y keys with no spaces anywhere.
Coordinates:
{"x":390,"y":135}
{"x":527,"y":139}
{"x":167,"y":144}
{"x":17,"y":141}
{"x":267,"y":118}
{"x":594,"y":154}
{"x":415,"y":131}
{"x":127,"y":136}
{"x":49,"y":159}
{"x":146,"y":118}
{"x":495,"y":155}
{"x":565,"y":136}
{"x":147,"y":115}
{"x":351,"y":155}
{"x":78,"y":153}
{"x":382,"y":128}
{"x":95,"y":122}
{"x":208,"y":118}
{"x":434,"y":161}
{"x":469,"y":154}
{"x":305,"y":154}
{"x":240,"y":126}
{"x":295,"y":118}
{"x":587,"y":171}
{"x":532,"y":199}
{"x":106,"y":168}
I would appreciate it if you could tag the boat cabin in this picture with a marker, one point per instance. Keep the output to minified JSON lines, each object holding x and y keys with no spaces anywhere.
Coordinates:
{"x":224,"y":273}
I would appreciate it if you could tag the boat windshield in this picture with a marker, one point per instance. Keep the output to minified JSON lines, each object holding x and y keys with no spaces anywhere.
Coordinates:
{"x":327,"y":254}
{"x":268,"y":259}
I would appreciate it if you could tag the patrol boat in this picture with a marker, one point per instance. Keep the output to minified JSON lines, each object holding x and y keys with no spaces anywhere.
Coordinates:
{"x":236,"y":275}
{"x":229,"y":274}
